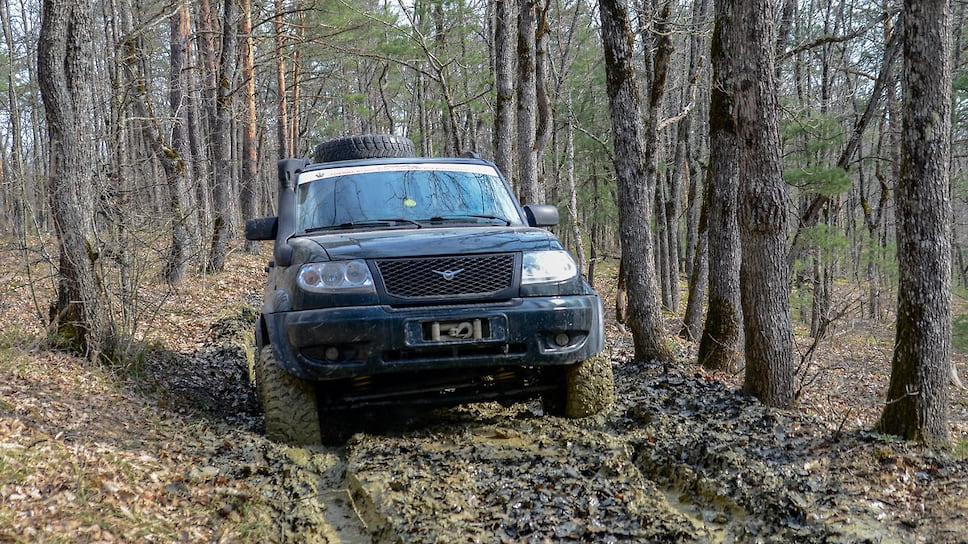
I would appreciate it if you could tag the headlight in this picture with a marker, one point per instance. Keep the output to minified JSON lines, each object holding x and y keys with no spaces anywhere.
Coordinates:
{"x":335,"y":276}
{"x":547,"y":267}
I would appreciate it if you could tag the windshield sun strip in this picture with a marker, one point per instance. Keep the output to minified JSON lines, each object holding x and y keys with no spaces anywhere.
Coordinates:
{"x":481,"y":169}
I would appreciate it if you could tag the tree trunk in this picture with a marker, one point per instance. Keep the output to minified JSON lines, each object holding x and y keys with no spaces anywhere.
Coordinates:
{"x":699,"y":276}
{"x":529,"y":190}
{"x":595,"y":229}
{"x":622,"y":294}
{"x":719,"y":346}
{"x":197,"y":127}
{"x":634,"y":188}
{"x":282,"y":105}
{"x":667,"y":277}
{"x":762,"y":215}
{"x":177,"y":160}
{"x":295,"y":114}
{"x":81,"y":316}
{"x":250,"y":159}
{"x":15,"y":173}
{"x":542,"y":76}
{"x":223,"y":181}
{"x":662,"y":245}
{"x":504,"y":34}
{"x":917,"y":399}
{"x":684,"y":162}
{"x":573,"y":192}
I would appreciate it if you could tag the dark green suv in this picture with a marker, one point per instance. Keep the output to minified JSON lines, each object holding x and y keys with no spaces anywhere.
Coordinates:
{"x":402,"y":280}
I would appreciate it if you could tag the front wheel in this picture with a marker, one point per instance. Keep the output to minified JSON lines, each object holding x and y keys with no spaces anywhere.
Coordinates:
{"x":288,"y":402}
{"x":588,"y":388}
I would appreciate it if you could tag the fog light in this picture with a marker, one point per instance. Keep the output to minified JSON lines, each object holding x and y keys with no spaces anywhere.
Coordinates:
{"x":562,"y":339}
{"x":332,"y":353}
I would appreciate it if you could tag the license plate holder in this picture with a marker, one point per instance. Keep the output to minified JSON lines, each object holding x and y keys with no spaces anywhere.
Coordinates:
{"x":456,"y":331}
{"x":451,"y":331}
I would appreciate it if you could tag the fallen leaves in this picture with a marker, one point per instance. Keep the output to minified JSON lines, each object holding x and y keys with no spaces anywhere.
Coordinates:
{"x":86,"y":458}
{"x":98,"y":466}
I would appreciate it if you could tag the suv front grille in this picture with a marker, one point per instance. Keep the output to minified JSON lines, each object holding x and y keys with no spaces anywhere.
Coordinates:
{"x":478,"y":276}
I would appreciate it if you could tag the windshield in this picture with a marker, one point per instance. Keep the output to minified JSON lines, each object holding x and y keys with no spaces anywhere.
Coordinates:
{"x":403,"y":195}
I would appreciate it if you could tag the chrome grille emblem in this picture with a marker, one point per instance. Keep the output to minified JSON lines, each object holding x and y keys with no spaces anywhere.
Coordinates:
{"x":448,"y":274}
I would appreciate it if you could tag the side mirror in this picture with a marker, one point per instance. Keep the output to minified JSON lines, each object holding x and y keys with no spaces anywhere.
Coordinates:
{"x":541,"y":215}
{"x":263,"y":228}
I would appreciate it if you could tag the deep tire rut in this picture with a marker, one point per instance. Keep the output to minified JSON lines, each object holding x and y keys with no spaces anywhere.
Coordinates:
{"x":678,"y":458}
{"x":316,"y":506}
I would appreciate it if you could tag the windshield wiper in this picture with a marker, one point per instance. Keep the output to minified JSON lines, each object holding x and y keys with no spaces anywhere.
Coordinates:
{"x":367,"y":223}
{"x":470,"y":216}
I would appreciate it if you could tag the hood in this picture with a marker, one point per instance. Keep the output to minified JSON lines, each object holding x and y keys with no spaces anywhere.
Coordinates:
{"x":425,"y":242}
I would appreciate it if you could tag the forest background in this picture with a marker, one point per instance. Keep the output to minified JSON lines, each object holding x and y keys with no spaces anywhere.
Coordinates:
{"x":189,"y":105}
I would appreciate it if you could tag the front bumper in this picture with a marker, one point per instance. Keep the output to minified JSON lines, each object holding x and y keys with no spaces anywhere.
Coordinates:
{"x":348,"y":342}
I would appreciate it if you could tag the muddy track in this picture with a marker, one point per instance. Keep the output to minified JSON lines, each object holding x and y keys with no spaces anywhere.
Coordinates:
{"x":679,"y":458}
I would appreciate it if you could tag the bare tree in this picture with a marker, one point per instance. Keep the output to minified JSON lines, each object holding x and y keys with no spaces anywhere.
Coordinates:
{"x":719,"y":346}
{"x":764,"y":284}
{"x":177,"y":158}
{"x":529,"y":190}
{"x":16,"y":145}
{"x":504,"y":26}
{"x":917,"y":399}
{"x":634,"y":190}
{"x":282,"y":104}
{"x":250,"y":159}
{"x":223,"y":184}
{"x":81,"y":316}
{"x":698,"y":275}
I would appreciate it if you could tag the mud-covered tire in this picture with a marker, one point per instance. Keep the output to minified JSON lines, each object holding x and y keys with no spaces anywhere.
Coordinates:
{"x":289,"y":403}
{"x":370,"y":146}
{"x":587,"y":388}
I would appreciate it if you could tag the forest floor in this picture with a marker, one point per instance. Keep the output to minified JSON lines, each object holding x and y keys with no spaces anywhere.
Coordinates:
{"x":168,"y":448}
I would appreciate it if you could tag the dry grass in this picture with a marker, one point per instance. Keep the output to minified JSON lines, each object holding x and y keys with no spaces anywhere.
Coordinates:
{"x":83,"y":458}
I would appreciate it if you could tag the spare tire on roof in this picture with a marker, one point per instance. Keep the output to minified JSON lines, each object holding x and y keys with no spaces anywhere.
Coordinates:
{"x":369,"y":146}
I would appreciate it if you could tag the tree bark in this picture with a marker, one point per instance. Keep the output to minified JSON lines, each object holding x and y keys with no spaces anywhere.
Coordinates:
{"x":659,"y":63}
{"x":282,"y":104}
{"x":719,"y":345}
{"x":250,"y":160}
{"x":764,"y":285}
{"x":529,"y":190}
{"x":573,"y":213}
{"x":662,"y":245}
{"x":917,"y":398}
{"x":295,"y":114}
{"x":222,"y":189}
{"x":177,"y":158}
{"x":198,"y":131}
{"x":699,"y":276}
{"x":542,"y":77}
{"x":16,"y":173}
{"x":634,"y":188}
{"x":504,"y":25}
{"x":81,"y":315}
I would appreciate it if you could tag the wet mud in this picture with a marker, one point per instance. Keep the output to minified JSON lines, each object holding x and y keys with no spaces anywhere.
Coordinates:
{"x":679,"y":457}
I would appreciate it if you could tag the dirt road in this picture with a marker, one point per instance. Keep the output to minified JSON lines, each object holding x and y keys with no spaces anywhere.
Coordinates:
{"x":679,"y":458}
